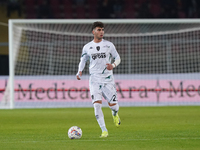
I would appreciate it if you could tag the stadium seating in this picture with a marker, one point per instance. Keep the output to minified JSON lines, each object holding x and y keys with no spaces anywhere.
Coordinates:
{"x":88,"y":9}
{"x":80,"y":12}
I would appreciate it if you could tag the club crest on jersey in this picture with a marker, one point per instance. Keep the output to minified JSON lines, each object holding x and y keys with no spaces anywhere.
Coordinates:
{"x":98,"y":48}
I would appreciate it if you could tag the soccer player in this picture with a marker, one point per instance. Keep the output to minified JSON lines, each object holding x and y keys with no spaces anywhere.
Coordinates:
{"x":101,"y":83}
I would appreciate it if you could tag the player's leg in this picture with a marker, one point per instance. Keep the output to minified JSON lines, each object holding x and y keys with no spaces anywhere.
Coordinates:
{"x":96,"y":94}
{"x":110,"y":94}
{"x":115,"y":108}
{"x":100,"y":117}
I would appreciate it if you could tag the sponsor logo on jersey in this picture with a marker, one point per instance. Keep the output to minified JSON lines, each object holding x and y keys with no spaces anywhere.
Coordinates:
{"x":106,"y":46}
{"x":98,"y":55}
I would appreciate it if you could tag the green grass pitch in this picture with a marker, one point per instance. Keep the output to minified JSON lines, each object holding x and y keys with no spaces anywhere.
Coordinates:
{"x":142,"y":128}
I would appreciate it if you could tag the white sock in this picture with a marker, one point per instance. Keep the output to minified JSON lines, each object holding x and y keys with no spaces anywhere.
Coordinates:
{"x":99,"y":116}
{"x":115,"y":109}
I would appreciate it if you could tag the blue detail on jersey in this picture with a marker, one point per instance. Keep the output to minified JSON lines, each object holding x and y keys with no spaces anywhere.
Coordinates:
{"x":107,"y":77}
{"x":100,"y":86}
{"x":83,"y":54}
{"x":103,"y":71}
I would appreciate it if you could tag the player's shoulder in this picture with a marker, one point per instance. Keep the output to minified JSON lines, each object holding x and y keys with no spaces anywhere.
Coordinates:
{"x":87,"y":45}
{"x":107,"y":42}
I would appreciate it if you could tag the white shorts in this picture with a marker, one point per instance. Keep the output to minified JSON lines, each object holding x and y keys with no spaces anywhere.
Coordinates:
{"x":106,"y":90}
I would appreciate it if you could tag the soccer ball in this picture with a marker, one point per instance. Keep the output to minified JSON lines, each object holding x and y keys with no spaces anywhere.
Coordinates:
{"x":74,"y":132}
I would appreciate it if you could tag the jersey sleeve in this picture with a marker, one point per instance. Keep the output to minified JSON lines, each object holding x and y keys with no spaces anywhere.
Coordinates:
{"x":83,"y":59}
{"x":114,"y":52}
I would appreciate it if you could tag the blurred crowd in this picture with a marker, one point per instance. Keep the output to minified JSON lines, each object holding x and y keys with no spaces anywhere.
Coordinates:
{"x":103,"y":8}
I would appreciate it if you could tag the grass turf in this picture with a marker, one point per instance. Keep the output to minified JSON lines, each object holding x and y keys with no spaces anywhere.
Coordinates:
{"x":142,"y":128}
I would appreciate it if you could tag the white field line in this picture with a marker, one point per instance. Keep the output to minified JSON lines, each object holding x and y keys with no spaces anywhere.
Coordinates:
{"x":104,"y":139}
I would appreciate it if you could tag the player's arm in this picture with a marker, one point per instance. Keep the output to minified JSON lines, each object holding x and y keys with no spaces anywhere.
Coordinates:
{"x":116,"y":57}
{"x":82,"y":63}
{"x":114,"y":64}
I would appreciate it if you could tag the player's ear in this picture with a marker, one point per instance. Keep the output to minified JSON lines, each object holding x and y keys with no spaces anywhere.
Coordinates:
{"x":93,"y":31}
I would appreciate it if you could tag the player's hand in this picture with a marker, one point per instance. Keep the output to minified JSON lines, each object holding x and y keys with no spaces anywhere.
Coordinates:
{"x":109,"y":66}
{"x":79,"y":74}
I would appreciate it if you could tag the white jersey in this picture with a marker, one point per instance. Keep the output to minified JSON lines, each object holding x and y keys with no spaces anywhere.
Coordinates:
{"x":99,"y":54}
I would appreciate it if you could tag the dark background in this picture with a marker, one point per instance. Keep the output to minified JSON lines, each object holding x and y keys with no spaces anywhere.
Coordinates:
{"x":89,"y":9}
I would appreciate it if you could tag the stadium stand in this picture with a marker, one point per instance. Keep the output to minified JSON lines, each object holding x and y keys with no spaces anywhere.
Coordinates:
{"x":118,"y":8}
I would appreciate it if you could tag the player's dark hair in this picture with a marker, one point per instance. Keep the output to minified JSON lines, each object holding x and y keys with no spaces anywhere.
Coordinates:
{"x":97,"y":24}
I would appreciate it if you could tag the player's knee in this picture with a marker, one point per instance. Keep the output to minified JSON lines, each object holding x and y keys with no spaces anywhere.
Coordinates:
{"x":114,"y":107}
{"x":97,"y":106}
{"x":112,"y":104}
{"x":97,"y":109}
{"x":99,"y":101}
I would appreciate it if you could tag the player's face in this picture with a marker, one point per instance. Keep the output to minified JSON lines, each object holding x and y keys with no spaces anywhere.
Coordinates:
{"x":98,"y":33}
